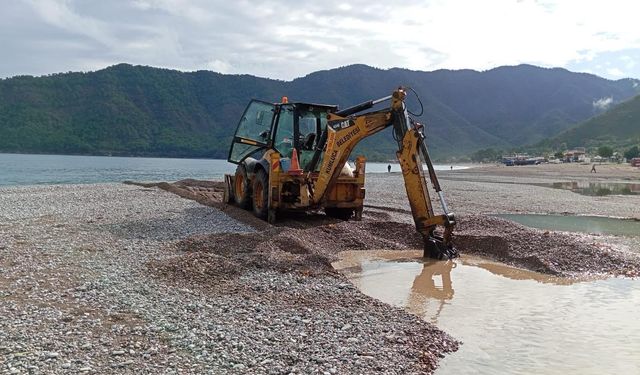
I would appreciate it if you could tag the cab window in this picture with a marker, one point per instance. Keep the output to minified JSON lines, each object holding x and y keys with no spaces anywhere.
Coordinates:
{"x":283,"y":141}
{"x":310,"y":125}
{"x":256,"y":121}
{"x":253,"y":132}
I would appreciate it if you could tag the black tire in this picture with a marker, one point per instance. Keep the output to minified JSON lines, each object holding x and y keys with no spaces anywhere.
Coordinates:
{"x":227,"y":196}
{"x":339,"y":212}
{"x":242,"y":187}
{"x":261,"y":194}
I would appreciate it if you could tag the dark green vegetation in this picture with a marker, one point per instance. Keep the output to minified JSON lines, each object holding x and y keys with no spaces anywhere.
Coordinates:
{"x":632,"y":152}
{"x":618,"y":128}
{"x":135,"y":110}
{"x":605,"y":151}
{"x":486,"y":155}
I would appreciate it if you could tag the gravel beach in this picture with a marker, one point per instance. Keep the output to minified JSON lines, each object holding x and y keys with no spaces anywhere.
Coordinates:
{"x":89,"y":284}
{"x":114,"y":278}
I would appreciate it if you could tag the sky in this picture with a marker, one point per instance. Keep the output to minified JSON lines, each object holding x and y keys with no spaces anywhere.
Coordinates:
{"x":291,"y":38}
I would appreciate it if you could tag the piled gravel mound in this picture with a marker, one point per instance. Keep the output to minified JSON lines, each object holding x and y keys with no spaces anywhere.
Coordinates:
{"x":309,"y":251}
{"x":555,"y":253}
{"x":286,"y":274}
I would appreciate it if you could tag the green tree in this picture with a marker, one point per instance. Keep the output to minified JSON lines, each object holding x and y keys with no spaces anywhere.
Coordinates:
{"x":486,"y":155}
{"x":632,"y":152}
{"x":605,"y":151}
{"x":559,"y":155}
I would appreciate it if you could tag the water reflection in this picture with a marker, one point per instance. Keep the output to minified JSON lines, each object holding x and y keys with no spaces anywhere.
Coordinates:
{"x":596,"y":188}
{"x":516,"y":273}
{"x":512,"y":321}
{"x":434,"y":282}
{"x":585,"y":224}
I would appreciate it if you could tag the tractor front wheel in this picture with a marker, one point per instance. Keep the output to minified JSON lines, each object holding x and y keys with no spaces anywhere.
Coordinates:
{"x":242,"y":187}
{"x":261,"y":194}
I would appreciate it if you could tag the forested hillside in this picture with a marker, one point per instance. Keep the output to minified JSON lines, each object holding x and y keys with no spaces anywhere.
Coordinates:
{"x":618,"y":127}
{"x":137,"y":110}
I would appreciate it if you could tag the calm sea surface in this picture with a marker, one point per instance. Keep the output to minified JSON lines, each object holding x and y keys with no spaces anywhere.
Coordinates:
{"x":23,"y":169}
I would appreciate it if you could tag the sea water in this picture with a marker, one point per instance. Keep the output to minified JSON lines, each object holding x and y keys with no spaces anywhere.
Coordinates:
{"x":27,"y":169}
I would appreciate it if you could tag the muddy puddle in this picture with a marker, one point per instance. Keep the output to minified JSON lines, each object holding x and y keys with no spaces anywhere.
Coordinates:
{"x":585,"y":224}
{"x":511,"y":321}
{"x":596,"y":188}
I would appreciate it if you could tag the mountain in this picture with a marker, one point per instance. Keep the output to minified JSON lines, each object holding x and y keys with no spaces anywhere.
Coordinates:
{"x":138,"y":110}
{"x":619,"y":127}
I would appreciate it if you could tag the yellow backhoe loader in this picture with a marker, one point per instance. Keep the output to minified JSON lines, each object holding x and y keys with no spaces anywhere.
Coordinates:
{"x":293,"y":157}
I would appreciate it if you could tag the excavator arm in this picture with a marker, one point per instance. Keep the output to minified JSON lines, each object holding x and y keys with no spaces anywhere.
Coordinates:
{"x":345,"y":129}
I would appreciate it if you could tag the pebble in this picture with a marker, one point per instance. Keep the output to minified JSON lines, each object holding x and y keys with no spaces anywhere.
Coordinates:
{"x":105,"y":307}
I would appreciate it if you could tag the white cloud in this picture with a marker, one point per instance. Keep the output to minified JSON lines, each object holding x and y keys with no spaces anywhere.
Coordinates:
{"x":219,"y":66}
{"x":286,"y":39}
{"x":602,"y":103}
{"x":629,"y":62}
{"x":615,"y":72}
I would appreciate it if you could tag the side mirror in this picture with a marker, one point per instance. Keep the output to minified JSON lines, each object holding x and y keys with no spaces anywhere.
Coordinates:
{"x":264,"y":134}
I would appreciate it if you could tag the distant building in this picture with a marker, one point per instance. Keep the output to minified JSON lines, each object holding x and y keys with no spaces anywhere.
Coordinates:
{"x":576,"y":155}
{"x":521,"y":159}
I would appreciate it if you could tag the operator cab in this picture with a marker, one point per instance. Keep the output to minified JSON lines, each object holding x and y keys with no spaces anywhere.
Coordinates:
{"x":281,"y":127}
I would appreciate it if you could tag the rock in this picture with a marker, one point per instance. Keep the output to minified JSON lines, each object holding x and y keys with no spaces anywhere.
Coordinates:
{"x":123,"y":364}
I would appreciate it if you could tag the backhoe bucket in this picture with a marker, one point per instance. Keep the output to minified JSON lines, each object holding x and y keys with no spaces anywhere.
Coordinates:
{"x":435,"y":247}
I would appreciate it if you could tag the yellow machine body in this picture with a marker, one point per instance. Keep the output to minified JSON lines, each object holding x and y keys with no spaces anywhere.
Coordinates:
{"x":261,"y":183}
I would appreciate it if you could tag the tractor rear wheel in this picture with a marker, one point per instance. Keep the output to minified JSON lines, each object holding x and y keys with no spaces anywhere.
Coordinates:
{"x":242,"y":187}
{"x":339,"y":212}
{"x":261,"y":194}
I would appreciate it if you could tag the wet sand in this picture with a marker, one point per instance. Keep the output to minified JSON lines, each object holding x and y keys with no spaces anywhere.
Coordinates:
{"x":501,"y":189}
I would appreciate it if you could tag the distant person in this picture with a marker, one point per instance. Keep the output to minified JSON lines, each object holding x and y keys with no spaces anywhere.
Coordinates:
{"x":389,"y":168}
{"x":593,"y":169}
{"x":452,"y":167}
